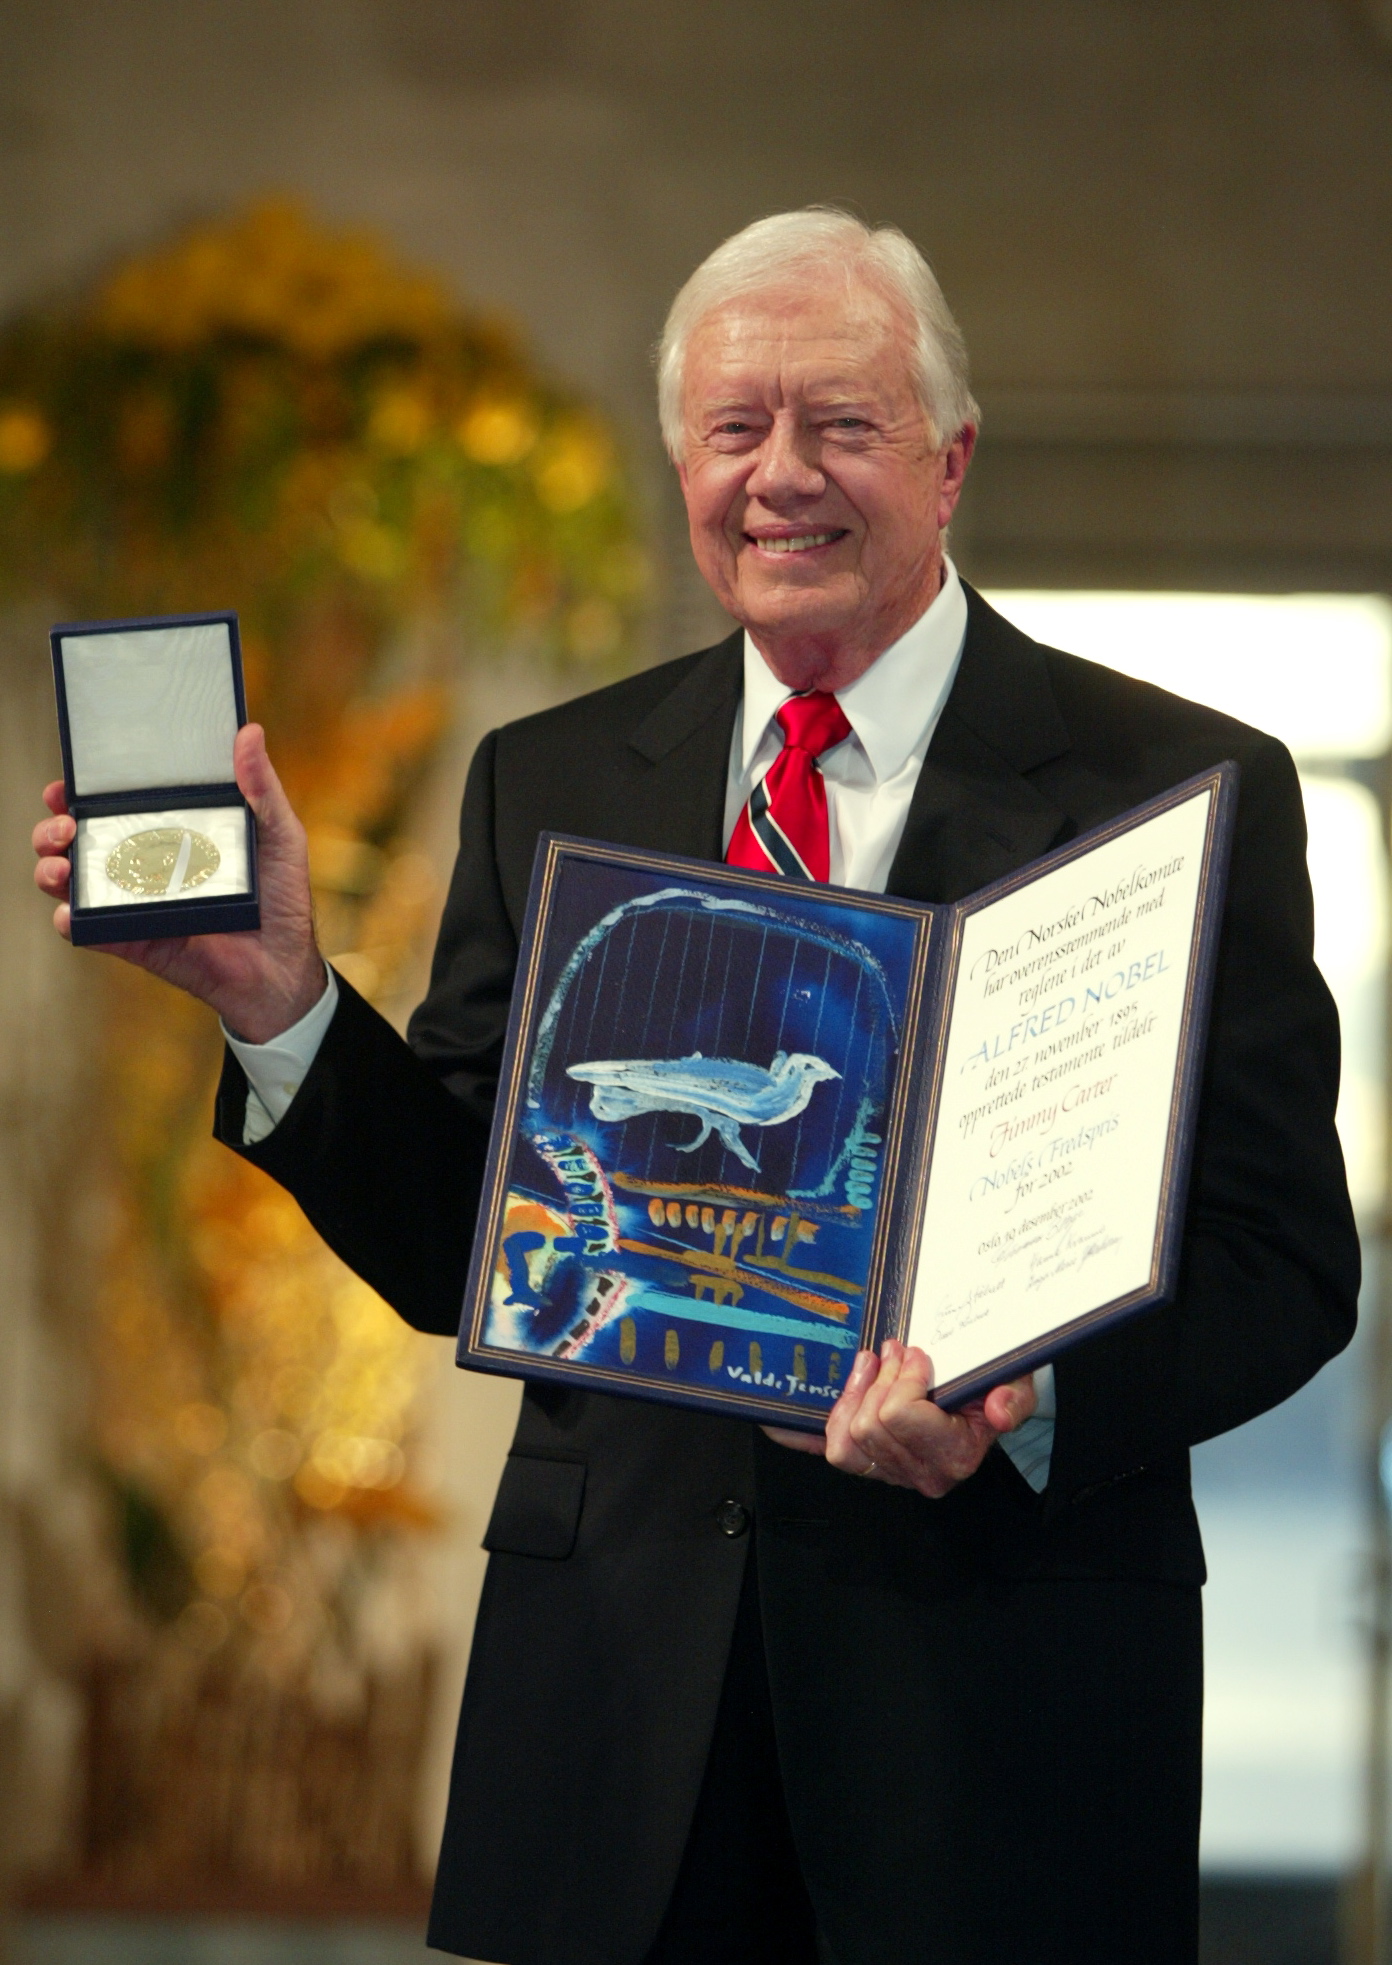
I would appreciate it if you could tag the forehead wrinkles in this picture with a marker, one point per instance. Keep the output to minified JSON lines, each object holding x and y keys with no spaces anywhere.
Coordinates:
{"x":822,"y":345}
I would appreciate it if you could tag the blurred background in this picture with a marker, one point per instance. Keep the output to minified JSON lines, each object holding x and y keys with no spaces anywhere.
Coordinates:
{"x":338,"y":312}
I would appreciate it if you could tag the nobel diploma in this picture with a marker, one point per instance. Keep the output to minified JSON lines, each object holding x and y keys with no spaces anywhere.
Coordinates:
{"x":1055,"y":1134}
{"x":749,"y":1126}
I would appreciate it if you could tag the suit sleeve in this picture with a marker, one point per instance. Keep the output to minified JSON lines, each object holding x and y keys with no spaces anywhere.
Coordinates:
{"x":1269,"y":1275}
{"x":385,"y":1143}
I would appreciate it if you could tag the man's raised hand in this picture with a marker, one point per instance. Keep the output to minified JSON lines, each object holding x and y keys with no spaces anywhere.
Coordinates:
{"x":884,"y":1426}
{"x":260,"y":982}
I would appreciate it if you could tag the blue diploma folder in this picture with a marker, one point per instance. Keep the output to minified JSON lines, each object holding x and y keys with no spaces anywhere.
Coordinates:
{"x":748,"y":1126}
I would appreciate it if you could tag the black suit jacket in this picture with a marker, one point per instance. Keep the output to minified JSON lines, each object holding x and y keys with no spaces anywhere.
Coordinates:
{"x":612,"y":1587}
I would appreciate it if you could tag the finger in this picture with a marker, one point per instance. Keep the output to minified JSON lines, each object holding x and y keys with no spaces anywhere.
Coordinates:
{"x":927,"y":1448}
{"x":251,"y":766}
{"x":916,"y":1420}
{"x":842,"y":1451}
{"x":55,"y":797}
{"x":261,"y":787}
{"x":913,"y":1369}
{"x":799,"y":1442}
{"x":62,"y":921}
{"x":866,"y":1418}
{"x":880,"y":1429}
{"x":862,"y":1377}
{"x":909,"y":1387}
{"x":53,"y":876}
{"x":54,"y":835}
{"x":869,"y":1439}
{"x":891,"y":1360}
{"x":1009,"y":1406}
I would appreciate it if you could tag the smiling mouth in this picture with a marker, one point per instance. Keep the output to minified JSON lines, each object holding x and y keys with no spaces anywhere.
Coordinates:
{"x":802,"y":542}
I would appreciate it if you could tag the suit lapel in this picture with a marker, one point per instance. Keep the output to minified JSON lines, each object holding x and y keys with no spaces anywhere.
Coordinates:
{"x":975,"y":814}
{"x":679,"y":805}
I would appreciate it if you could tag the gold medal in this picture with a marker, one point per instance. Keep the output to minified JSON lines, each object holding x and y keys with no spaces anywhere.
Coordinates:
{"x":166,"y":860}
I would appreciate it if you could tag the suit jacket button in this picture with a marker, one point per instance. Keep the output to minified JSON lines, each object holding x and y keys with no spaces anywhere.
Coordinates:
{"x":732,"y":1518}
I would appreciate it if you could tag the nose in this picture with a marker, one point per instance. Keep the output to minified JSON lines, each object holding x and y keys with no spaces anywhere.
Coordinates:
{"x":788,"y":467}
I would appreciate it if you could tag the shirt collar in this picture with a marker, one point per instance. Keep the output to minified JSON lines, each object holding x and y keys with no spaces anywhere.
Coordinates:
{"x":895,"y":705}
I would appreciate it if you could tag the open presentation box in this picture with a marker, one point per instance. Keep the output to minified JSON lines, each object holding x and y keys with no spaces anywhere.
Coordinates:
{"x":148,"y":712}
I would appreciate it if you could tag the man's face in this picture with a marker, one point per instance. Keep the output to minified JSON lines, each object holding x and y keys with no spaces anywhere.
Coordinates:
{"x":816,"y":493}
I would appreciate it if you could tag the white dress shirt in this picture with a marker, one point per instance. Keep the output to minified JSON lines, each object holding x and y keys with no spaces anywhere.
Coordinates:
{"x":275,"y":1071}
{"x":893,"y":710}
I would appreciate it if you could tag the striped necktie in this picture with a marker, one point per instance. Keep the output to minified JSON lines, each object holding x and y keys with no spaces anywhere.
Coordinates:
{"x":784,"y":826}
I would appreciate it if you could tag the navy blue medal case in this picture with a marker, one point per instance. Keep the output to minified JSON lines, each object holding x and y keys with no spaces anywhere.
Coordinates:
{"x":148,"y":711}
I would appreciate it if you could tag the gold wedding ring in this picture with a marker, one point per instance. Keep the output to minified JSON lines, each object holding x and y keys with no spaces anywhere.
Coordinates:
{"x":165,"y":860}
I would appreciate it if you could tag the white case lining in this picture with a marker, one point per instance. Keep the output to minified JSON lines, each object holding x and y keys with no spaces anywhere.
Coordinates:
{"x":150,"y":707}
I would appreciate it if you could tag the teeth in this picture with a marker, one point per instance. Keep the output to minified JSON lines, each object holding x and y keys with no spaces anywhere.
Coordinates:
{"x":800,"y":545}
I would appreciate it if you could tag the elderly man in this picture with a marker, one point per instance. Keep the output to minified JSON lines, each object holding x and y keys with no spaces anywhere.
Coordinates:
{"x":931,"y":1692}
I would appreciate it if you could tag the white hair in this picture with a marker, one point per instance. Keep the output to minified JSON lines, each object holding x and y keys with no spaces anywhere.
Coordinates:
{"x":824,"y":241}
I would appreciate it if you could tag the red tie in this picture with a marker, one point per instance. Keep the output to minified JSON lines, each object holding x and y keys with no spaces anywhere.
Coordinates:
{"x":784,"y":826}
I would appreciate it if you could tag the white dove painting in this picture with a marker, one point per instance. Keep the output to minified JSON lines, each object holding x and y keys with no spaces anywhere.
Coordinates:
{"x":692,"y":1175}
{"x":722,"y":1093}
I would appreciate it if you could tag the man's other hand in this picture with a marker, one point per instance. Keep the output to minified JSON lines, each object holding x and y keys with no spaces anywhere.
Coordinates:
{"x":259,"y":983}
{"x":884,"y":1426}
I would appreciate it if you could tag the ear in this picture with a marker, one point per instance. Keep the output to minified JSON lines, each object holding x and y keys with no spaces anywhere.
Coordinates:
{"x":956,"y":458}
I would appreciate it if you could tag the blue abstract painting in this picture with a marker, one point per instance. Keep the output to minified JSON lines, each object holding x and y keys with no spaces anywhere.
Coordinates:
{"x":693,"y":1175}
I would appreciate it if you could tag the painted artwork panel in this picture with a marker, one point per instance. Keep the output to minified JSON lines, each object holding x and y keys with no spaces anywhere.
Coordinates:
{"x":695,"y":1172}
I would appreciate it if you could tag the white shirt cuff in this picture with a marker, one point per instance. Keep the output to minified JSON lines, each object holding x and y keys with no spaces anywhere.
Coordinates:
{"x":1031,"y":1446}
{"x":275,"y":1071}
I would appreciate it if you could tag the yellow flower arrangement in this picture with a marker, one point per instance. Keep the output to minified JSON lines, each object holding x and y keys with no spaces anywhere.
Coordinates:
{"x":273,"y":416}
{"x":273,"y":275}
{"x":25,"y":440}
